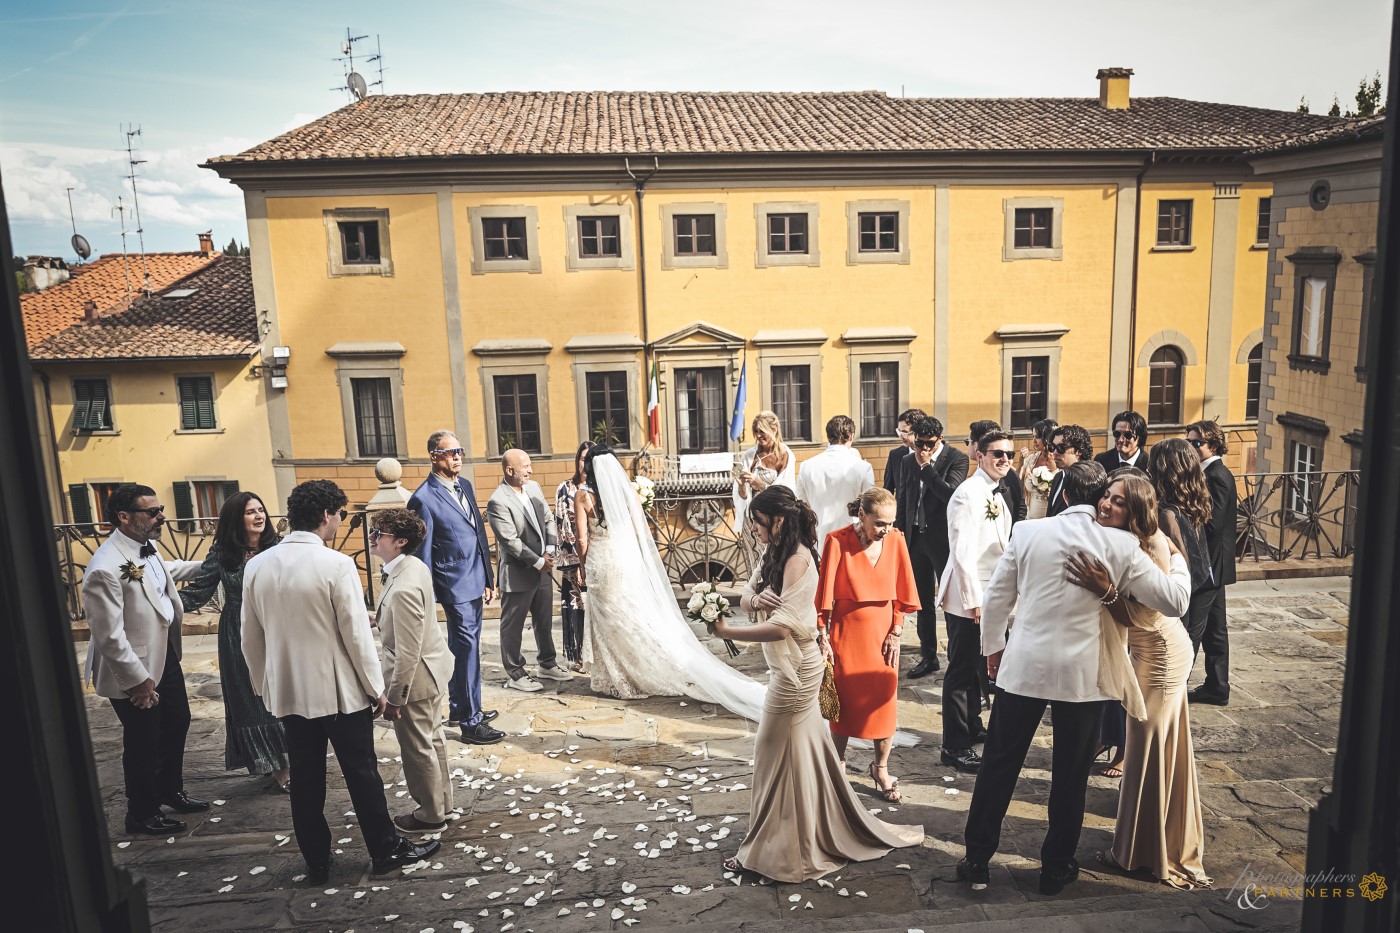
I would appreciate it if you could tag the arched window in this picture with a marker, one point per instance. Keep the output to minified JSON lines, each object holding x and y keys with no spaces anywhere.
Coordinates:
{"x":1164,"y":392}
{"x":1251,"y":392}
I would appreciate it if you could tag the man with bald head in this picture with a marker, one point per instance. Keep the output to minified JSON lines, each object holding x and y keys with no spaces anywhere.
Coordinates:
{"x":525,"y":542}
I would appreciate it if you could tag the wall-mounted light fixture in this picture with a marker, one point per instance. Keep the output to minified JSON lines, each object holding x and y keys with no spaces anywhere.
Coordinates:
{"x":275,"y":367}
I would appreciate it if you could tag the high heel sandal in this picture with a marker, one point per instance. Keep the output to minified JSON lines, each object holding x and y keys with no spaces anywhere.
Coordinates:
{"x":889,"y":794}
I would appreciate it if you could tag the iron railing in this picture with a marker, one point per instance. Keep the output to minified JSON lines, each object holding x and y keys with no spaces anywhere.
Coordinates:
{"x":1298,"y":516}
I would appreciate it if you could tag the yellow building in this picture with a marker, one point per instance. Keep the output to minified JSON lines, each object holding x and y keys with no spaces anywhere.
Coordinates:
{"x":510,"y":266}
{"x":163,"y":392}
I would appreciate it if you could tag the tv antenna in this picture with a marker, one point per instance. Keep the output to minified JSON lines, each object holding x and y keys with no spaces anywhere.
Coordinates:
{"x":80,"y":243}
{"x":120,"y":210}
{"x":136,"y":204}
{"x":355,"y":84}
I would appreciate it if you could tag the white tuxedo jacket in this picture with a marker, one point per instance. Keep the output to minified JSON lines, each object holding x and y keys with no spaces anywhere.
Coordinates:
{"x":1053,"y":650}
{"x":829,"y":481}
{"x":127,"y":631}
{"x":975,"y":543}
{"x":306,"y":634}
{"x":417,"y":664}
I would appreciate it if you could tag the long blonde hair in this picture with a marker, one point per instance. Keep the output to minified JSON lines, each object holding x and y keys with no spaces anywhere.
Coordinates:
{"x":768,"y":421}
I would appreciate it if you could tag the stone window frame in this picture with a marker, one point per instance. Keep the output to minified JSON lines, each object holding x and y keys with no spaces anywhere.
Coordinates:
{"x":878,"y":345}
{"x":574,"y":261}
{"x":1367,"y":261}
{"x":370,"y":361}
{"x":1302,"y":430}
{"x":218,"y":427}
{"x":669,"y":259}
{"x":762,"y":257}
{"x":1055,"y":251}
{"x":1189,"y":243}
{"x":1030,"y":340}
{"x":608,"y":353}
{"x":480,"y":264}
{"x":115,"y":428}
{"x":794,"y":348}
{"x":515,"y":357}
{"x":854,"y":209}
{"x":1313,"y":262}
{"x":1260,"y":222}
{"x":336,"y":267}
{"x":1254,"y":340}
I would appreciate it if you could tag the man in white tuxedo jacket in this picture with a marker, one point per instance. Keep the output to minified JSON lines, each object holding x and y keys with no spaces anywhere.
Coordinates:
{"x":830,"y":480}
{"x":417,"y":666}
{"x":133,"y":657}
{"x":979,"y":525}
{"x":312,"y":658}
{"x":1051,"y":655}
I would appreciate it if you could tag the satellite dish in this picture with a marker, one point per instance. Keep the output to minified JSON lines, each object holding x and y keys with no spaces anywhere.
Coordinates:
{"x":357,"y":85}
{"x":80,"y":246}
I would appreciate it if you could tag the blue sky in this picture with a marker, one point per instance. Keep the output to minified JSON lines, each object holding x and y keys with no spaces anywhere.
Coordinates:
{"x":211,"y":78}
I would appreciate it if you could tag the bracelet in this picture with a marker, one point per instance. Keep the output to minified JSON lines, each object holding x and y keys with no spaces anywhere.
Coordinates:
{"x":1113,"y":592}
{"x":897,"y":632}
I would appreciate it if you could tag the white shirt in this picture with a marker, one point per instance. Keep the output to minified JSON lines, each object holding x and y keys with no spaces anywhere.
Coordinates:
{"x":455,"y":489}
{"x":975,"y":542}
{"x":389,"y":564}
{"x":1208,"y":461}
{"x":532,"y":518}
{"x":156,"y":567}
{"x":1129,"y":461}
{"x":829,"y":481}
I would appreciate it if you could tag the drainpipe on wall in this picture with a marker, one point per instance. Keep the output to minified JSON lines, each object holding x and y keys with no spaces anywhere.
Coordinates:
{"x":1137,"y":245}
{"x":640,"y":181}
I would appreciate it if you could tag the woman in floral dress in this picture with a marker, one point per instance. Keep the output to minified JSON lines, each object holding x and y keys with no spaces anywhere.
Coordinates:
{"x":570,"y":568}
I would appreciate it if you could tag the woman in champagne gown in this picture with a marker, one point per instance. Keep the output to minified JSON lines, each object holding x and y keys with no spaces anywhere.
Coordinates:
{"x":805,"y":821}
{"x":1159,"y":826}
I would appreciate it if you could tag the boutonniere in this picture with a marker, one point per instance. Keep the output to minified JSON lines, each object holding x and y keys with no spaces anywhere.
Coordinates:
{"x":993,"y":509}
{"x":133,"y":571}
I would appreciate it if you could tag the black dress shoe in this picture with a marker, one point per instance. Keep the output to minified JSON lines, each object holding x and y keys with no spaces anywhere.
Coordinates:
{"x":158,"y":825}
{"x":489,"y":714}
{"x":925,"y":667}
{"x":182,"y":802}
{"x":980,"y":736}
{"x":481,"y":734}
{"x":317,"y":875}
{"x":975,"y":873}
{"x":405,"y":853}
{"x":1202,"y":695}
{"x":964,"y":759}
{"x":1055,"y":880}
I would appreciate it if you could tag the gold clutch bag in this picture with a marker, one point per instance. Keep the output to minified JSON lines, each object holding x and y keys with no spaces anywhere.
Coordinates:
{"x":827,"y":697}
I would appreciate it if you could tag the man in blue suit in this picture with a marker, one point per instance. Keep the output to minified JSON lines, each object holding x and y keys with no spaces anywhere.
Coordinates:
{"x":456,"y":551}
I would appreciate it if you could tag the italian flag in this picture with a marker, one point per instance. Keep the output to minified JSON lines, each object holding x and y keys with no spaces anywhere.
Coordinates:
{"x":654,"y":405}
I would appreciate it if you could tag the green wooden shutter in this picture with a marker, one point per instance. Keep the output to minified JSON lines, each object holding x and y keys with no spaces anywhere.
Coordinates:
{"x":81,"y":501}
{"x":189,"y":418}
{"x":184,"y":500}
{"x":230,"y":488}
{"x":204,"y":402}
{"x":82,"y":404}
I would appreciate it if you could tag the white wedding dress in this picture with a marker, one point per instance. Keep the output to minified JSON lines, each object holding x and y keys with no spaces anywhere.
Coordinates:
{"x":641,"y":644}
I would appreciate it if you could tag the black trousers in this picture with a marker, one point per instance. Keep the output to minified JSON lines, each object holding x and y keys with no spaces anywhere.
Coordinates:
{"x":1014,"y":721}
{"x":1207,"y":626}
{"x":352,"y":737}
{"x":926,"y":580}
{"x":153,"y":742}
{"x":962,"y":691}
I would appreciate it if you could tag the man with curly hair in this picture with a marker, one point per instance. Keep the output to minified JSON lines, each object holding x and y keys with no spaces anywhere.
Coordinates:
{"x":1069,"y":444}
{"x":312,"y":659}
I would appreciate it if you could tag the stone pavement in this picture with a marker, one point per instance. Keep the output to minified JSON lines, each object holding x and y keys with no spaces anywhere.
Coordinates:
{"x":598,"y":814}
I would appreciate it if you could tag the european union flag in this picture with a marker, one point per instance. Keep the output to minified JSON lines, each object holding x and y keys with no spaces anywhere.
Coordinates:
{"x":736,"y":423}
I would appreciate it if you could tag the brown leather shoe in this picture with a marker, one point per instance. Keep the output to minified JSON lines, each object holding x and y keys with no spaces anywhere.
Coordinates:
{"x":410,"y":823}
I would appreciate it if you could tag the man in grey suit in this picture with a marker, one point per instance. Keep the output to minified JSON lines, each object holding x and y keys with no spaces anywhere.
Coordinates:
{"x":525,"y":541}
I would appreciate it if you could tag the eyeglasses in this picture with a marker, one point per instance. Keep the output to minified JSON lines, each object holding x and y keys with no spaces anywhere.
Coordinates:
{"x":151,"y":512}
{"x":1059,"y":448}
{"x":925,"y":445}
{"x":999,"y":454}
{"x":450,"y":452}
{"x":1196,"y":442}
{"x":1120,"y":435}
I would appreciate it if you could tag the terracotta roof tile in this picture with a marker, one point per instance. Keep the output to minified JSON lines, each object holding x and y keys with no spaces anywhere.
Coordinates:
{"x":218,"y":320}
{"x":1351,"y":129}
{"x":105,"y":281}
{"x":632,"y":123}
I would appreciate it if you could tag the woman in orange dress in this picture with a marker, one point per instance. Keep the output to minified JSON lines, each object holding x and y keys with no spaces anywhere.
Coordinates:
{"x":865,"y":589}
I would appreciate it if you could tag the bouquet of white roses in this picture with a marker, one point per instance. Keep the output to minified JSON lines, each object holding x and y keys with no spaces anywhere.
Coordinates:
{"x":1042,"y":478}
{"x":646,"y":491}
{"x":708,"y":606}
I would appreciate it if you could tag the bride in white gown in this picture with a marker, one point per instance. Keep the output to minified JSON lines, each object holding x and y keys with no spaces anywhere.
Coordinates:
{"x":641,"y":643}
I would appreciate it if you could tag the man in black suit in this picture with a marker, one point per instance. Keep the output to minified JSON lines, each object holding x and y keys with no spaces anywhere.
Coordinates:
{"x":895,"y":462}
{"x":1205,"y":622}
{"x":1069,"y":443}
{"x":932,"y":472}
{"x":1129,"y":438}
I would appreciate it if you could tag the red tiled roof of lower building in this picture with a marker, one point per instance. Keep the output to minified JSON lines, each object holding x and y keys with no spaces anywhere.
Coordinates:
{"x":218,"y":319}
{"x":108,"y":281}
{"x":1349,"y":130}
{"x":632,"y":123}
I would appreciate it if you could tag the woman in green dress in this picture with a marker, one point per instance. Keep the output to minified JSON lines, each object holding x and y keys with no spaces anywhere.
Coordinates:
{"x":253,"y":737}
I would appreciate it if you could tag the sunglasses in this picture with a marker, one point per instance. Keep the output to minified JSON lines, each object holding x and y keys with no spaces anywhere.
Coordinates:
{"x":925,"y":445}
{"x":450,"y":452}
{"x":151,"y":512}
{"x":1059,"y":448}
{"x":1122,"y":434}
{"x":375,"y":535}
{"x":1198,"y":444}
{"x":344,"y":515}
{"x":998,"y":454}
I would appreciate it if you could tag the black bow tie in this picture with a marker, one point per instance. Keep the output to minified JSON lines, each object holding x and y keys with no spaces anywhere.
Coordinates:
{"x":148,"y":550}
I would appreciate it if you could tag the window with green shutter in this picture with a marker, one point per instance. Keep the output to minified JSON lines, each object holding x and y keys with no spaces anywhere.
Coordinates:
{"x":80,"y":498}
{"x":92,"y":405}
{"x":196,"y":403}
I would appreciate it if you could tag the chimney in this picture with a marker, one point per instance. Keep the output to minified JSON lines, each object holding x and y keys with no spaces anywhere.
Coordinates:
{"x":206,"y":242}
{"x":89,"y":311}
{"x":1113,"y":88}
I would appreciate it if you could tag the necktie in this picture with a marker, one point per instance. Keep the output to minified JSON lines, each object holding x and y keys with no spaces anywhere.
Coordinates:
{"x":466,"y":506}
{"x":148,"y":550}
